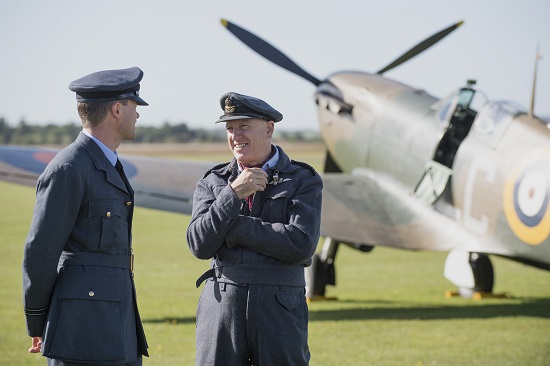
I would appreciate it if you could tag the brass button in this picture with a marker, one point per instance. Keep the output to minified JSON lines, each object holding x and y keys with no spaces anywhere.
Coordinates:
{"x":91,"y":293}
{"x":108,"y":214}
{"x":129,"y":203}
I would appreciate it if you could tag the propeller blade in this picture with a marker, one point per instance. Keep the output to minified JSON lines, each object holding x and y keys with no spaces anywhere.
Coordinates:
{"x":422,"y":46}
{"x":268,"y":51}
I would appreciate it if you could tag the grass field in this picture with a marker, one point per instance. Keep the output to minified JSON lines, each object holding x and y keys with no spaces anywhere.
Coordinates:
{"x":391,"y":308}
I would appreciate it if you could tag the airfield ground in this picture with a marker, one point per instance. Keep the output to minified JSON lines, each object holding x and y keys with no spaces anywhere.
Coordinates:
{"x":391,"y":307}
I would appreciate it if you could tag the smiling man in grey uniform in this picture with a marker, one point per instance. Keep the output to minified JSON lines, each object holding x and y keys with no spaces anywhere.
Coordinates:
{"x":79,"y":294}
{"x":258,"y":218}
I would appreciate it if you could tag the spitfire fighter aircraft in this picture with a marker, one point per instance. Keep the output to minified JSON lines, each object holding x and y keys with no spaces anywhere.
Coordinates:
{"x":408,"y":170}
{"x":403,"y":169}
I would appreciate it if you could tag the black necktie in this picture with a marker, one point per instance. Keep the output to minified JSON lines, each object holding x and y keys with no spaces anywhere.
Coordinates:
{"x":120,"y":171}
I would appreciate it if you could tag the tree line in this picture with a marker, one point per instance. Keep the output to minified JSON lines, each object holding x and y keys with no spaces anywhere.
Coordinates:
{"x":55,"y":134}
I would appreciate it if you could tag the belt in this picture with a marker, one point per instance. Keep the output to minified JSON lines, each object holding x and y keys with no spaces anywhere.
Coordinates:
{"x":211,"y":273}
{"x":96,"y":259}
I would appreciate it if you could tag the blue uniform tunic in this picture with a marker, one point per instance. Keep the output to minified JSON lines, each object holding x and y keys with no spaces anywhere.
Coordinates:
{"x":255,"y":308}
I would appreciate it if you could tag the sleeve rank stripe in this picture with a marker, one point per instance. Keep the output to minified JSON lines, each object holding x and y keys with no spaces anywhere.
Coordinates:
{"x":36,"y":312}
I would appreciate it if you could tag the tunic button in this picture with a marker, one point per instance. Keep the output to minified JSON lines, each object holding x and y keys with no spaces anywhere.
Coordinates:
{"x":129,"y":203}
{"x":91,"y":293}
{"x":108,"y":214}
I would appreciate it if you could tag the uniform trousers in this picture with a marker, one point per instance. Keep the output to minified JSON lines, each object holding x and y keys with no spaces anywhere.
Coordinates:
{"x":258,"y":325}
{"x":54,"y":362}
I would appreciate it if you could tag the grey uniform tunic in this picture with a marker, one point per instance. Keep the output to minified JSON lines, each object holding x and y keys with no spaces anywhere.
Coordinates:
{"x":256,"y":305}
{"x":78,"y":288}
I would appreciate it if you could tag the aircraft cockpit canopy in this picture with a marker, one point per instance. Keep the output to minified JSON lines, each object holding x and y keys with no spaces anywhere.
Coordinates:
{"x":456,"y":113}
{"x":467,"y":99}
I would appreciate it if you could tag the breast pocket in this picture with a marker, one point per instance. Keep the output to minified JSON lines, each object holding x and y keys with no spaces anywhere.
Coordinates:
{"x":108,"y":224}
{"x":274,"y":209}
{"x":89,"y":323}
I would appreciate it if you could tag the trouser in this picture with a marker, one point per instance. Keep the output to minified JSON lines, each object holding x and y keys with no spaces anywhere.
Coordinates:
{"x":256,"y":325}
{"x":53,"y":362}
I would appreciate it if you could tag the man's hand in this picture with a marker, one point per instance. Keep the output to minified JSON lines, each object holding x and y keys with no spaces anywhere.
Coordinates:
{"x":249,"y":182}
{"x":36,"y":343}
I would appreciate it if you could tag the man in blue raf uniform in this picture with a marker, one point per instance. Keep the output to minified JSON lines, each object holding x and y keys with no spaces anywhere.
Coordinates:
{"x":79,"y":294}
{"x":258,"y":218}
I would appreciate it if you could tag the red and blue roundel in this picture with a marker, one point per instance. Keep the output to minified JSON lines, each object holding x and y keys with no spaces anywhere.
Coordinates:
{"x":35,"y":160}
{"x":31,"y":159}
{"x":526,"y":198}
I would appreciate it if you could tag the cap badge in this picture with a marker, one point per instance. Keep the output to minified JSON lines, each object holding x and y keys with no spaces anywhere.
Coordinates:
{"x":228,"y":107}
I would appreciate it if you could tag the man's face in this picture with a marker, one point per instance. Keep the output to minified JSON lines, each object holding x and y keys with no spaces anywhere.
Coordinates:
{"x":250,"y":140}
{"x":129,"y":116}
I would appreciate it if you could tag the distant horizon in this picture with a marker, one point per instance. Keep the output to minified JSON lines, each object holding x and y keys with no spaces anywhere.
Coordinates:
{"x":280,"y":127}
{"x":189,"y":59}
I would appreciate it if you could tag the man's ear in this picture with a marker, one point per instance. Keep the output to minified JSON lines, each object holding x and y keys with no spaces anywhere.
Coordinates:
{"x":115,"y":109}
{"x":270,"y":128}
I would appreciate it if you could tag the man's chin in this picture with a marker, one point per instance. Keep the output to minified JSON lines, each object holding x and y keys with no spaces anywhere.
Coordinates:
{"x":238,"y":155}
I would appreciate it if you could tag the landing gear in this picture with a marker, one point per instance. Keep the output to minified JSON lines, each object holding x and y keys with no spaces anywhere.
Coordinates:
{"x":321,"y":272}
{"x":318,"y":276}
{"x":472,"y":273}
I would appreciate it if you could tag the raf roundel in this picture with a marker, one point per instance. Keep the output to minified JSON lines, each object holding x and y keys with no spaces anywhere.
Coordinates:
{"x":526,"y":199}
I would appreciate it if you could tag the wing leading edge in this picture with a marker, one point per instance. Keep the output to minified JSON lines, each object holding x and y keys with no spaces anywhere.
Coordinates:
{"x":368,"y":208}
{"x":161,"y":184}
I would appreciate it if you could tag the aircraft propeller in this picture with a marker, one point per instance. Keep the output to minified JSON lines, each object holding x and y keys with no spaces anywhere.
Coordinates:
{"x":268,"y":51}
{"x":420,"y":47}
{"x":277,"y":57}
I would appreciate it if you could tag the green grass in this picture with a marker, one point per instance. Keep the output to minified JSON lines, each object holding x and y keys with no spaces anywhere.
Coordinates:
{"x":391,"y":308}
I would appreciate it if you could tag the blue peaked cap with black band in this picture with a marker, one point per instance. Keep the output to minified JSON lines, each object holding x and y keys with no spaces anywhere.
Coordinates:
{"x":109,"y":85}
{"x":239,"y":106}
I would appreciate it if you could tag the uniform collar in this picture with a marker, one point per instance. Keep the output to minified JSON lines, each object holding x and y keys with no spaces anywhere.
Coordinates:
{"x":110,"y":154}
{"x":268,"y":164}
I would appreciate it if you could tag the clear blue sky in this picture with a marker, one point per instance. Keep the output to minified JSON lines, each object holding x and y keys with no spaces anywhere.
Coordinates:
{"x":190,"y":60}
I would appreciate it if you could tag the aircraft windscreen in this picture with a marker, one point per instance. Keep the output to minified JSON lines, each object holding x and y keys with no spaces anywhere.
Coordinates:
{"x":466,"y":98}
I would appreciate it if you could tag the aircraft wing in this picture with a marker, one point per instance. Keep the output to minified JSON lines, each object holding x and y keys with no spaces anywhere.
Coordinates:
{"x":162,"y":184}
{"x":369,"y":208}
{"x":362,"y":207}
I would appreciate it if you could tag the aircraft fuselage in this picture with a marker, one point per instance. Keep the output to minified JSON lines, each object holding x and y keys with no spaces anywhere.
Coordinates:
{"x":499,"y":187}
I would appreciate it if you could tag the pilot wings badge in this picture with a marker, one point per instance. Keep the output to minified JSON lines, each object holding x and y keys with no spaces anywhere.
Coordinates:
{"x":276,"y":180}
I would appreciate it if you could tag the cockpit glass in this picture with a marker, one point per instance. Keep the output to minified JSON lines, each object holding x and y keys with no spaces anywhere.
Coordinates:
{"x":463,"y":97}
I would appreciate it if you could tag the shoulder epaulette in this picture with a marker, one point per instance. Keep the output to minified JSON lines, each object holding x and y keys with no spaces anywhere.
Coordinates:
{"x":304,"y":165}
{"x":219,"y":166}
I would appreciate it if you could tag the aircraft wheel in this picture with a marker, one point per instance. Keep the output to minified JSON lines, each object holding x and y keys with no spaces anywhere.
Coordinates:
{"x":318,"y":276}
{"x":483,"y":272}
{"x":471,"y":273}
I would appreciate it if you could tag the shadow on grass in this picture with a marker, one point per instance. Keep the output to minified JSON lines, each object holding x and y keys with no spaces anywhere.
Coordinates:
{"x":535,"y":308}
{"x":170,"y":321}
